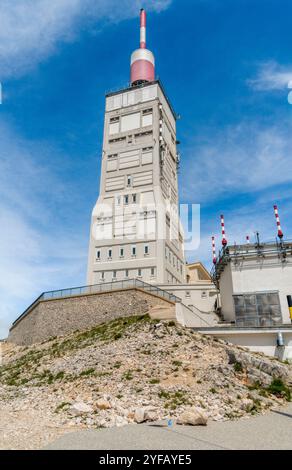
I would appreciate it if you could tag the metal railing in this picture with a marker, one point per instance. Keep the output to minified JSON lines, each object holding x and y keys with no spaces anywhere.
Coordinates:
{"x":261,"y":249}
{"x":98,"y":288}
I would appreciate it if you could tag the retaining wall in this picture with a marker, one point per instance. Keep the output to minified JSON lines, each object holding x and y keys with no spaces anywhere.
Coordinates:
{"x":58,"y":317}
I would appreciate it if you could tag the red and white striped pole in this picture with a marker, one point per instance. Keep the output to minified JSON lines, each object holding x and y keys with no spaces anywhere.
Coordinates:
{"x":280,"y":233}
{"x":224,"y":241}
{"x":214,"y":250}
{"x":142,"y":29}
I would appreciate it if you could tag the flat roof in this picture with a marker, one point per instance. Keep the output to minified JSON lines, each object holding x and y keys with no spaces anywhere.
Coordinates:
{"x":144,"y":85}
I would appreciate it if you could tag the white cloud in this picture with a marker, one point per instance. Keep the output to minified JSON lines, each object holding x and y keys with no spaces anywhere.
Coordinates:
{"x":30,"y":30}
{"x":246,"y":162}
{"x":37,"y":252}
{"x":271,"y":76}
{"x":245,"y":158}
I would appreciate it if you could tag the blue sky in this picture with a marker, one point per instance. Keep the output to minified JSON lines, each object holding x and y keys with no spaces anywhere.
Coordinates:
{"x":226,"y":66}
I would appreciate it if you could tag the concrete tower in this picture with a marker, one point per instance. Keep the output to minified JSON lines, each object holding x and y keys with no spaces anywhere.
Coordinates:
{"x":135,"y":228}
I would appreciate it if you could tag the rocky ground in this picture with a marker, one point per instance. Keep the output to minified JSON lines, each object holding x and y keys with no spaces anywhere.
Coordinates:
{"x":131,"y":370}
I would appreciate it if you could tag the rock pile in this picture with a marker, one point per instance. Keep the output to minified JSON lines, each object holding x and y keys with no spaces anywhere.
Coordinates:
{"x":133,"y":370}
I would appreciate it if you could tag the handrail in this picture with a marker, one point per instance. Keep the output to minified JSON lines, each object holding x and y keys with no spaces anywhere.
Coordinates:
{"x":230,"y":252}
{"x":197,"y":315}
{"x":102,"y":287}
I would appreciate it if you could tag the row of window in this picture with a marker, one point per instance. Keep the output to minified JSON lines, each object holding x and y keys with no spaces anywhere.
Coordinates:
{"x":127,"y":199}
{"x":125,"y":274}
{"x":204,"y":294}
{"x":173,"y":260}
{"x":131,"y":121}
{"x":121,"y":252}
{"x":145,"y":150}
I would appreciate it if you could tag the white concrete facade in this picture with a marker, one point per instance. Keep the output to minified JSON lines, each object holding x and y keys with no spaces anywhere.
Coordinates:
{"x":249,"y":271}
{"x":201,"y":296}
{"x":262,"y":340}
{"x":135,"y":228}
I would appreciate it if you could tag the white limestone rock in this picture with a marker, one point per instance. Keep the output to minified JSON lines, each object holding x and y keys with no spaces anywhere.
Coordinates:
{"x":193,"y":416}
{"x":103,"y":404}
{"x":80,"y":408}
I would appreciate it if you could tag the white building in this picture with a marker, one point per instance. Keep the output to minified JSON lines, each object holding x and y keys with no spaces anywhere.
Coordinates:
{"x":254,"y":283}
{"x":135,"y":228}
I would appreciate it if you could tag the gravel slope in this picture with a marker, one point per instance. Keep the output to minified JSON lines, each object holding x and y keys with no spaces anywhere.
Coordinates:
{"x":101,"y":377}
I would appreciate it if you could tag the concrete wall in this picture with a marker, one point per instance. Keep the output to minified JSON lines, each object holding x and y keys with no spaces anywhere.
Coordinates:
{"x":63,"y":316}
{"x":276,"y":277}
{"x":201,"y":296}
{"x":264,"y":341}
{"x":193,"y":318}
{"x":226,"y":293}
{"x":251,"y":276}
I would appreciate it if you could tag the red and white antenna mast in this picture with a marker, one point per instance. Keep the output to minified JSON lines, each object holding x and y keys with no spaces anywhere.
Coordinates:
{"x":280,"y":233}
{"x":142,"y":60}
{"x":214,"y":251}
{"x":142,"y":29}
{"x":224,"y":241}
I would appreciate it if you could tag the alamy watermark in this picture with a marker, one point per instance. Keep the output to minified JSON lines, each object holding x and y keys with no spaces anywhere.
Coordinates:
{"x":126,"y":222}
{"x":290,"y":92}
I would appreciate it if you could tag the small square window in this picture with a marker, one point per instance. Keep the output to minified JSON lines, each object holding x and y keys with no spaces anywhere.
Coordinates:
{"x":126,"y":199}
{"x":134,"y":198}
{"x":110,"y":252}
{"x":127,"y":273}
{"x":139,"y":272}
{"x":114,"y":274}
{"x":188,"y":294}
{"x":146,"y":250}
{"x":152,"y":271}
{"x":98,"y":255}
{"x":129,"y":180}
{"x":133,"y":251}
{"x":121,"y":252}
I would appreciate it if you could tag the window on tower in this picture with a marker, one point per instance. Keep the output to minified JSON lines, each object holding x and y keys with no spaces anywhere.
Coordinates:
{"x":114,"y":126}
{"x":147,"y":117}
{"x":130,"y":121}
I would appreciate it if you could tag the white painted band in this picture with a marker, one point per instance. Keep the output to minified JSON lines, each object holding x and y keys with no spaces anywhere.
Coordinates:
{"x":143,"y":34}
{"x":142,"y":54}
